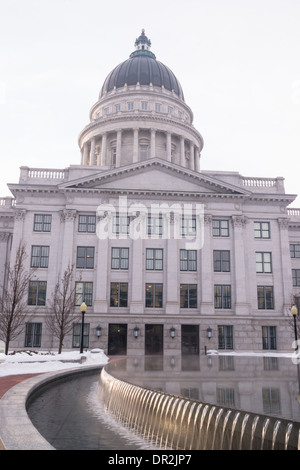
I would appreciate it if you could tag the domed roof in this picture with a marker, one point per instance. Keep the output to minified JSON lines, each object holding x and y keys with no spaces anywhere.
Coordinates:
{"x":142,"y":68}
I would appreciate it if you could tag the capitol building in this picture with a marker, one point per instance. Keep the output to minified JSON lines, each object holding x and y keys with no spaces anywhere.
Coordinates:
{"x":168,"y":258}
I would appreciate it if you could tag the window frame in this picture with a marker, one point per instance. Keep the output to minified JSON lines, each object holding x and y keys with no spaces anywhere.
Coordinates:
{"x":185,"y":259}
{"x":118,"y":299}
{"x":39,"y":260}
{"x":260,"y":232}
{"x":221,"y":264}
{"x":88,"y":225}
{"x":220,"y":228}
{"x":45,"y":225}
{"x":154,"y":295}
{"x":263,"y":262}
{"x":86,"y":295}
{"x":262,"y":298}
{"x":85,"y":257}
{"x":37,"y":291}
{"x":155,"y":261}
{"x":119,"y":261}
{"x":186,"y":295}
{"x":222,"y":299}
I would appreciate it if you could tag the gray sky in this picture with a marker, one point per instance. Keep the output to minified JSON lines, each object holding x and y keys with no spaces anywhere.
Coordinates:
{"x":237,"y":61}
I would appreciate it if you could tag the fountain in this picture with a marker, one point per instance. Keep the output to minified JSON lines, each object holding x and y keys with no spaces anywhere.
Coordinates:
{"x":173,"y":421}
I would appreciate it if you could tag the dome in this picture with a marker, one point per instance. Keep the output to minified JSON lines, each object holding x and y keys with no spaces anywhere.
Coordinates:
{"x":142,"y":68}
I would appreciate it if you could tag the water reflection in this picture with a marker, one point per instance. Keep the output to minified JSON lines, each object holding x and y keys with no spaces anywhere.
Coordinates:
{"x":265,"y":385}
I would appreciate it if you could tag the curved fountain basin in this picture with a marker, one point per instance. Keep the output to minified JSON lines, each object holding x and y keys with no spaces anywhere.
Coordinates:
{"x":241,"y":402}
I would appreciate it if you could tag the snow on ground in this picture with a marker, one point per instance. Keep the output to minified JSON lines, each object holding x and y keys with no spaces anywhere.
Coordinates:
{"x":31,"y":362}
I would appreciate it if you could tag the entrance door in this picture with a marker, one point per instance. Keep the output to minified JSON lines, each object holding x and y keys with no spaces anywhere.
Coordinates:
{"x":117,"y":339}
{"x":154,"y":344}
{"x":190,"y":339}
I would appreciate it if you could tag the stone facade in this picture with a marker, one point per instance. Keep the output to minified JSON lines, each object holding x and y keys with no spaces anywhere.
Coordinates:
{"x":231,"y":266}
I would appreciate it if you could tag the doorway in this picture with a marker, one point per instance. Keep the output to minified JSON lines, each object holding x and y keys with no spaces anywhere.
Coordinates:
{"x":117,"y":339}
{"x":154,"y":344}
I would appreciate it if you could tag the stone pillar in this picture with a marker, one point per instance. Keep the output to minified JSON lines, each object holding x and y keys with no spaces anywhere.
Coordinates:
{"x":242,"y":306}
{"x":153,"y":143}
{"x":68,"y":216}
{"x":192,"y":156}
{"x":206,"y":269}
{"x":137,"y":284}
{"x":103,"y":268}
{"x":119,"y":145}
{"x":169,"y":146}
{"x":285,"y":271}
{"x":171,"y":288}
{"x":92,"y":151}
{"x":103,"y":149}
{"x":85,"y":153}
{"x":182,"y":152}
{"x":135,"y":156}
{"x":197,"y":159}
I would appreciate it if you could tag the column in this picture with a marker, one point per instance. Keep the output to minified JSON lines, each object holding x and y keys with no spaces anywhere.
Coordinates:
{"x":99,"y":157}
{"x":242,"y":306}
{"x":119,"y":145}
{"x":206,"y":267}
{"x":135,"y":157}
{"x":136,"y":282}
{"x":197,"y":159}
{"x":153,"y":143}
{"x":101,"y":293}
{"x":192,"y":157}
{"x":92,"y":151}
{"x":85,"y":153}
{"x":103,"y":150}
{"x":284,"y":274}
{"x":168,"y":146}
{"x":68,"y":216}
{"x":182,"y":152}
{"x":171,"y":286}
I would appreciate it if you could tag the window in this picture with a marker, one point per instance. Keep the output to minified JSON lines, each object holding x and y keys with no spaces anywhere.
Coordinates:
{"x":265,"y":297}
{"x":222,"y":296}
{"x":225,"y":397}
{"x":87,"y":223}
{"x":295,"y":250}
{"x":155,"y":225}
{"x":188,"y":260}
{"x":121,"y":224}
{"x":119,"y":258}
{"x":144,"y":105}
{"x":220,"y":228}
{"x":157,"y":107}
{"x":188,"y":295}
{"x":106,"y":110}
{"x":296,"y":277}
{"x":85,"y":257}
{"x":130,"y":106}
{"x":84,"y":293}
{"x":37,"y":293}
{"x":170,"y":110}
{"x":154,"y":295}
{"x":39,"y":256}
{"x":225,"y":337}
{"x":113,"y":152}
{"x":263,"y":262}
{"x":269,"y":337}
{"x":117,"y":108}
{"x":154,"y":259}
{"x":144,"y":151}
{"x":271,"y":400}
{"x":33,"y":335}
{"x":118,"y":294}
{"x":188,"y":226}
{"x":42,"y":223}
{"x":262,"y":229}
{"x":77,"y":335}
{"x":221,"y":261}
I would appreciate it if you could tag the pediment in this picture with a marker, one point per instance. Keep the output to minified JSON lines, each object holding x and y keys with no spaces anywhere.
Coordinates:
{"x":154,"y":175}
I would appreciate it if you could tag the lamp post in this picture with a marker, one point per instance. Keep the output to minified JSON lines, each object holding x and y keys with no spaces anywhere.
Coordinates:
{"x":83,"y":308}
{"x":294,"y":312}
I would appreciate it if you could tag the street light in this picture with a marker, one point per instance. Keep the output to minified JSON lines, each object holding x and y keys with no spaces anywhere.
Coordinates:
{"x":83,"y":308}
{"x":294,"y":312}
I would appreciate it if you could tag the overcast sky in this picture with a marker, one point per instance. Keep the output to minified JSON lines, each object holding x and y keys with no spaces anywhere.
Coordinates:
{"x":238,"y":62}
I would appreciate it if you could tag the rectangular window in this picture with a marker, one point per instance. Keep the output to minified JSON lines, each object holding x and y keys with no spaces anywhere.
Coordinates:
{"x":77,"y":335}
{"x":295,"y":250}
{"x":117,"y":108}
{"x":157,"y":107}
{"x":271,"y":400}
{"x":220,"y":228}
{"x":155,"y":225}
{"x":225,"y":337}
{"x":269,"y":337}
{"x":87,"y":223}
{"x":85,"y":257}
{"x":262,"y":230}
{"x":188,"y":295}
{"x":33,"y":335}
{"x":170,"y":110}
{"x":265,"y":297}
{"x":225,"y":397}
{"x":188,"y":226}
{"x":144,"y":105}
{"x":296,"y":277}
{"x":154,"y":295}
{"x":119,"y":258}
{"x":154,"y":259}
{"x":263,"y":262}
{"x":144,"y":152}
{"x":130,"y":106}
{"x":121,"y":224}
{"x":39,"y":256}
{"x":42,"y":223}
{"x":222,"y":296}
{"x":118,"y":294}
{"x":188,"y":260}
{"x":84,"y":293}
{"x":221,"y":261}
{"x":37,"y":293}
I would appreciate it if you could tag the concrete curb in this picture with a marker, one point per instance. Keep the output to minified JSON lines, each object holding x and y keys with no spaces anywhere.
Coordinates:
{"x":17,"y":431}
